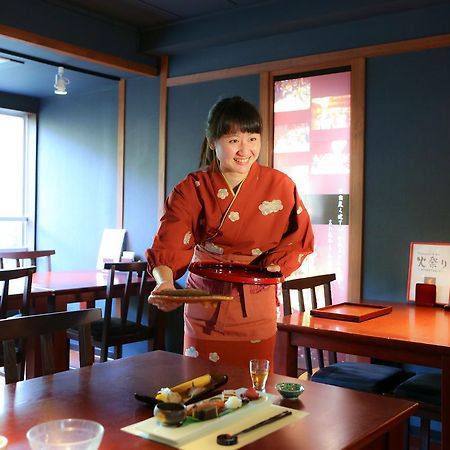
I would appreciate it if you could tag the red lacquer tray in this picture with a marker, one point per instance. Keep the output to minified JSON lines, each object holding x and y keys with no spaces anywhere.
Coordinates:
{"x":352,"y":312}
{"x":235,"y":273}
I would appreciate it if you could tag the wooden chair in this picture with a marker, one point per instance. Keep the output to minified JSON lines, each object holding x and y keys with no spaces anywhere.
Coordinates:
{"x":24,"y":277}
{"x":121,"y":328}
{"x":375,"y":378}
{"x":7,"y":276}
{"x":20,"y":256}
{"x":425,"y":389}
{"x":44,"y":326}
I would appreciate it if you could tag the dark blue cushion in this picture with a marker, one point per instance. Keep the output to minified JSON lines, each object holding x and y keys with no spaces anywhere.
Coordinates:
{"x":375,"y":378}
{"x":424,"y":387}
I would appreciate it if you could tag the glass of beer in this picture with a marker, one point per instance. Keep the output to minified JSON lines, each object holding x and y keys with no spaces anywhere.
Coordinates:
{"x":259,"y":371}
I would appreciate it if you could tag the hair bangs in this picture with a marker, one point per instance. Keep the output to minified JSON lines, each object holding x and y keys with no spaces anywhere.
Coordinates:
{"x":244,"y":119}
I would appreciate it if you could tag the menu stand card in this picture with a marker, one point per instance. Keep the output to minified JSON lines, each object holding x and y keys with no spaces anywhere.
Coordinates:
{"x":352,"y":312}
{"x":429,"y":263}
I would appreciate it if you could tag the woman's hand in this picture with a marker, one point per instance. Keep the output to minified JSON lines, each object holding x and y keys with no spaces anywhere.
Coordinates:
{"x":163,"y":305}
{"x":163,"y":276}
{"x":273,"y":268}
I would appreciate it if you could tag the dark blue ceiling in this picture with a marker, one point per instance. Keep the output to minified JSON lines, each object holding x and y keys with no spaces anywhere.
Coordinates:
{"x":33,"y":69}
{"x":169,"y":27}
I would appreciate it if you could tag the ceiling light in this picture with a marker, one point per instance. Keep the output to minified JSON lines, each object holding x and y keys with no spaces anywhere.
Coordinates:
{"x":61,"y":82}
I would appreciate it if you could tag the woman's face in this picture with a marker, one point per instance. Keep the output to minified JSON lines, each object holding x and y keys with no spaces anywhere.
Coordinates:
{"x":237,"y":151}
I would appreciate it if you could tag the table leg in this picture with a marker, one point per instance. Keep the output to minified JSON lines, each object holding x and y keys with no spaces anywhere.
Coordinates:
{"x":397,"y":437}
{"x":285,"y":359}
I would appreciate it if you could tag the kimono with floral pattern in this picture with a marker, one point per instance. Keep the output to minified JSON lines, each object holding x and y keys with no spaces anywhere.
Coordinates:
{"x":264,"y":222}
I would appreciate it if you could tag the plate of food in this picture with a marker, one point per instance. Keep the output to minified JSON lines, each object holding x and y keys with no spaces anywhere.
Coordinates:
{"x":211,"y":416}
{"x":235,"y":273}
{"x":189,"y":296}
{"x":228,"y":401}
{"x":189,"y":392}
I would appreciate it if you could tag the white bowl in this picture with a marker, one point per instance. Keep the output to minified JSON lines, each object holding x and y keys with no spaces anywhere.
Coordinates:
{"x":73,"y":434}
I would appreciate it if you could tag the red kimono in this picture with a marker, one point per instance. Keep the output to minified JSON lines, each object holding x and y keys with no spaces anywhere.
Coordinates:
{"x":266,"y":221}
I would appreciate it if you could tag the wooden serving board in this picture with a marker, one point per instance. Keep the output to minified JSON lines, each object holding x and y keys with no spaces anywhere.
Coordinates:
{"x":191,"y":298}
{"x":352,"y":312}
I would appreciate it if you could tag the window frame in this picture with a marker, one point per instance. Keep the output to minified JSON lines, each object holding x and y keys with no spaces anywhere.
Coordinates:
{"x":28,"y":217}
{"x":358,"y":74}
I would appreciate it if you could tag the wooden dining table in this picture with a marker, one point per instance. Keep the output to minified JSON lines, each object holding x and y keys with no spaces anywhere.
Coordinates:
{"x":73,"y":286}
{"x":53,"y":291}
{"x":336,"y":418}
{"x":408,"y":334}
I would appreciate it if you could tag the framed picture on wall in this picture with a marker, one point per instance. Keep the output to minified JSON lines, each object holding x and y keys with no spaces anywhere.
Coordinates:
{"x":429,"y":263}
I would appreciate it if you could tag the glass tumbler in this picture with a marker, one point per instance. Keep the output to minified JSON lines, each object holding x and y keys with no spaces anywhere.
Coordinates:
{"x":259,"y":372}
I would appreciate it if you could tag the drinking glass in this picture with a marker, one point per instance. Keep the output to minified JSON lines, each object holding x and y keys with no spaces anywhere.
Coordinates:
{"x":259,"y":371}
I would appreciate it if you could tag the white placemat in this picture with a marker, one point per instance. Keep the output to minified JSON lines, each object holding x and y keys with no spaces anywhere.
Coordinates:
{"x":203,"y":434}
{"x":208,"y":442}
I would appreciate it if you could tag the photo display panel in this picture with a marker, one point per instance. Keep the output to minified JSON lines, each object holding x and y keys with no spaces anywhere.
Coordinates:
{"x":312,"y":117}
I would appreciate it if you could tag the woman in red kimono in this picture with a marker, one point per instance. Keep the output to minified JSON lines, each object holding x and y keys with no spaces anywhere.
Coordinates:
{"x":232,"y":210}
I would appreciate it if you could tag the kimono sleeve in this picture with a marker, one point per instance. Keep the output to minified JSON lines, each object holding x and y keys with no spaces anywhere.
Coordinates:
{"x":296,"y":243}
{"x":173,"y":245}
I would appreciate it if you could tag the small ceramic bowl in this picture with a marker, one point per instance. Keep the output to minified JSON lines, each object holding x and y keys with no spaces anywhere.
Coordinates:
{"x":290,"y":390}
{"x":170,"y":414}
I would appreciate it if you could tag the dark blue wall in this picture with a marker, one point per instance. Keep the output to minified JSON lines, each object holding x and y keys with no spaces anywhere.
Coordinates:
{"x":141,"y":163}
{"x":188,"y":108}
{"x":407,"y":165}
{"x":77,"y":160}
{"x":78,"y":151}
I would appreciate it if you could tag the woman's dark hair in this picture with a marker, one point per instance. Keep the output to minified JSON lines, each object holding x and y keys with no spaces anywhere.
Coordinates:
{"x":228,"y":115}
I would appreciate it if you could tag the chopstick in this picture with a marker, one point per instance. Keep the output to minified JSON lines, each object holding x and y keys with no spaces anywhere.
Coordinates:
{"x":267,"y":421}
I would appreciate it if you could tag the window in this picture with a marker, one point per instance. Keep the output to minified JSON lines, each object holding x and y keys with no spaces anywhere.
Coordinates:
{"x":312,"y":145}
{"x":17,"y":179}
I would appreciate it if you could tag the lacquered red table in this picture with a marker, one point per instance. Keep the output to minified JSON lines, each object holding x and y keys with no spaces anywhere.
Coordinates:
{"x":409,"y":334}
{"x":338,"y":418}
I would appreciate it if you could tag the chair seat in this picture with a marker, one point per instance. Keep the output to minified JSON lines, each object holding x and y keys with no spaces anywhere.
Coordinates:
{"x":374,"y":378}
{"x":115,"y":328}
{"x":424,"y":387}
{"x":127,"y":290}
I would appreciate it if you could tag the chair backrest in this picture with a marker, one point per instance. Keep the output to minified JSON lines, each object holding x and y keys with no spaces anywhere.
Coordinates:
{"x":44,"y":326}
{"x":127,"y":325}
{"x":129,"y":270}
{"x":21,"y":256}
{"x":311,"y":284}
{"x":8,"y":275}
